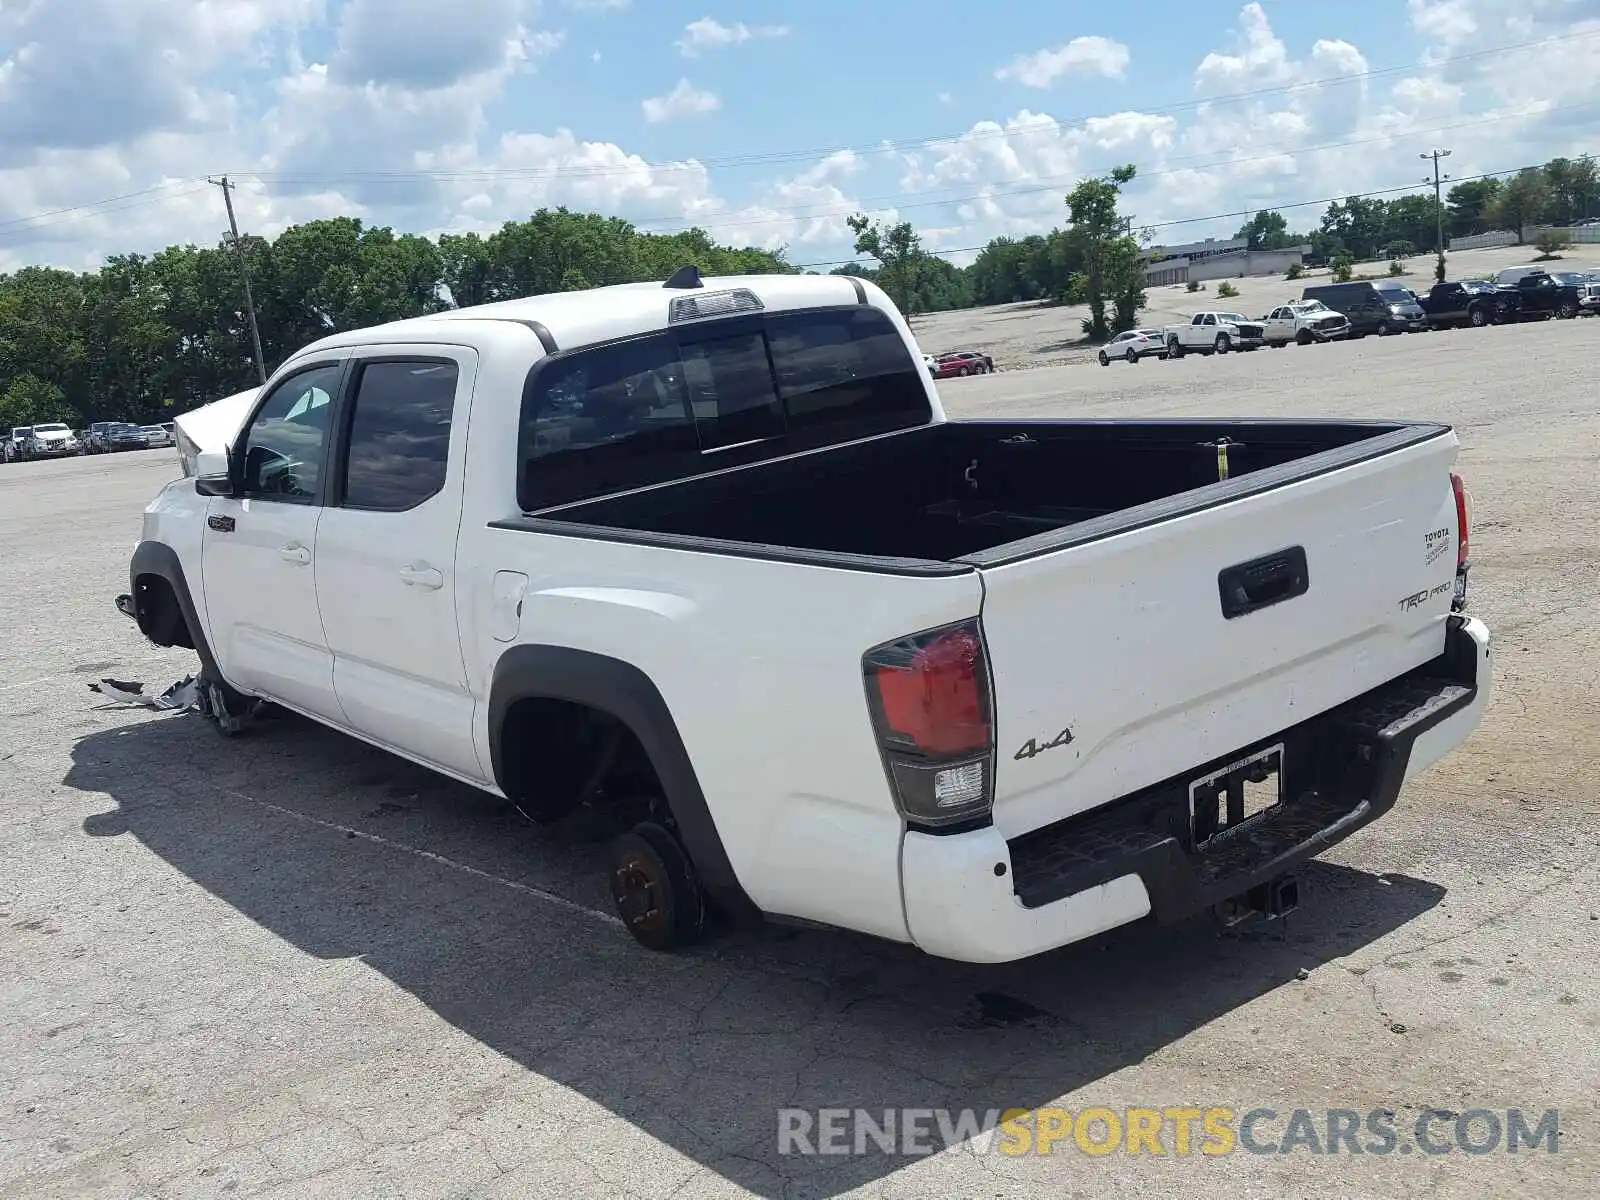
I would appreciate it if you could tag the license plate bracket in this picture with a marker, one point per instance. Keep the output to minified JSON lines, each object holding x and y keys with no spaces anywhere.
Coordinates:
{"x":1235,"y":796}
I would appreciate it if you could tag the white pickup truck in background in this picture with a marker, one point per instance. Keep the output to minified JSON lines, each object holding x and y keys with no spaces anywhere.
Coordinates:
{"x":708,"y":556}
{"x":1214,"y":333}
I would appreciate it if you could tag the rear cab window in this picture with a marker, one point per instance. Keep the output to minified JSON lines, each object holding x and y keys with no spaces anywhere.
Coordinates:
{"x":684,"y":401}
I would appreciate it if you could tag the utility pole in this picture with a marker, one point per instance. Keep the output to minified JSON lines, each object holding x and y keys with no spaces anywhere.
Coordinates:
{"x":244,"y":271}
{"x":1438,"y":205}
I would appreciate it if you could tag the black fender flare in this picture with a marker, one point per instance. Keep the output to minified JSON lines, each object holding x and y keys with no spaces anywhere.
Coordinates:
{"x":159,"y":559}
{"x":625,"y":692}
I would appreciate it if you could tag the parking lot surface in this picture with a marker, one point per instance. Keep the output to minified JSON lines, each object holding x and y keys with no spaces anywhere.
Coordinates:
{"x":291,"y":965}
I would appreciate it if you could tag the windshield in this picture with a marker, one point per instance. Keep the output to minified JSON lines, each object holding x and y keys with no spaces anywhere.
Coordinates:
{"x":1235,"y":318}
{"x":1572,"y":277}
{"x":1309,"y":306}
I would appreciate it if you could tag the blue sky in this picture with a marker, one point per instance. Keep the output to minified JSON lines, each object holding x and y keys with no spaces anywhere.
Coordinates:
{"x":765,"y":123}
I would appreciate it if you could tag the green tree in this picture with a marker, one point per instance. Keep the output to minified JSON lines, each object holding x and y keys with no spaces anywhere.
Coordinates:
{"x":1412,"y":220}
{"x":897,"y":249}
{"x":1267,"y":230}
{"x":1358,"y":225}
{"x":1098,"y":229}
{"x":1574,"y":188}
{"x":30,"y":400}
{"x":1468,"y":206}
{"x":1521,"y":202}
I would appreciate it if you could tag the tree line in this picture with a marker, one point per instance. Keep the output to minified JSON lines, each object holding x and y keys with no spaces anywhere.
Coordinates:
{"x":1559,"y":193}
{"x":1052,"y":267}
{"x":147,"y":336}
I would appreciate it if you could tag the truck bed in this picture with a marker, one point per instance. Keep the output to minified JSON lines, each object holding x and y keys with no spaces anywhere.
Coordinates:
{"x":979,"y":493}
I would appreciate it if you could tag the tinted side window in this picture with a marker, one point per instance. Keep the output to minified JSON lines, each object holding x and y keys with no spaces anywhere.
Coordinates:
{"x":286,"y":445}
{"x":606,"y":420}
{"x":399,"y":434}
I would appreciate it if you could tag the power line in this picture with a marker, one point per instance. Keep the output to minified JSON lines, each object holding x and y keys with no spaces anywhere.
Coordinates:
{"x":95,"y":208}
{"x":1054,"y":183}
{"x":1243,"y":212}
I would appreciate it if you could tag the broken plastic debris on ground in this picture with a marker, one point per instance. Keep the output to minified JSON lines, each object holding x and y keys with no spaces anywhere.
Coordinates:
{"x":180,"y":697}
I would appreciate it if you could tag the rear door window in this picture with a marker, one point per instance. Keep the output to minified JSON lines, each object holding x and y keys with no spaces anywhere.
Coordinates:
{"x":399,"y":444}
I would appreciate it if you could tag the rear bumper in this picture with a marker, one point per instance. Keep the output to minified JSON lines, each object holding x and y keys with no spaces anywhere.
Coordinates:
{"x":975,"y":897}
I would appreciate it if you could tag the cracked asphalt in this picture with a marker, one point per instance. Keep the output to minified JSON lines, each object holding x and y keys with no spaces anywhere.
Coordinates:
{"x":292,"y":966}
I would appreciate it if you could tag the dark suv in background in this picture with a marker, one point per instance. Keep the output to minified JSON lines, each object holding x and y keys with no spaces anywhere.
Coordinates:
{"x":1371,"y":309}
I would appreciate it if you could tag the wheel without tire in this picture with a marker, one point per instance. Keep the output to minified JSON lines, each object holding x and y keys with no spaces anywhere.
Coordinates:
{"x":654,"y":888}
{"x":228,"y":711}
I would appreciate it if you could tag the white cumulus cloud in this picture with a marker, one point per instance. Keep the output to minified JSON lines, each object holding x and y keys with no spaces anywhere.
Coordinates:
{"x":684,"y":100}
{"x":708,"y":34}
{"x":1088,"y":56}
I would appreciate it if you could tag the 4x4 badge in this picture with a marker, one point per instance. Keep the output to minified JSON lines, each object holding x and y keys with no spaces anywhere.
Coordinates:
{"x":1031,"y":748}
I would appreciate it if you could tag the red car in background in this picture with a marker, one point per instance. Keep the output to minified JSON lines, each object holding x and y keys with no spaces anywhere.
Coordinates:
{"x":962,"y":362}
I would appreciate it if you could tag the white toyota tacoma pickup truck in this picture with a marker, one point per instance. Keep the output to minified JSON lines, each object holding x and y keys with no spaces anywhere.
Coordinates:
{"x":709,"y":556}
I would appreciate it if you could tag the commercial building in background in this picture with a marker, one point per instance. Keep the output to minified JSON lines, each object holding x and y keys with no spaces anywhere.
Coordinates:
{"x":1216,"y":258}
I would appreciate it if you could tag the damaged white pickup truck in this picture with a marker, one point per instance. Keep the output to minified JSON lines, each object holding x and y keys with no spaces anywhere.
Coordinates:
{"x":708,"y":555}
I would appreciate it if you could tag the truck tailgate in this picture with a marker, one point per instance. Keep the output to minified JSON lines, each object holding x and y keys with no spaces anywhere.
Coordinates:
{"x":1115,"y":666}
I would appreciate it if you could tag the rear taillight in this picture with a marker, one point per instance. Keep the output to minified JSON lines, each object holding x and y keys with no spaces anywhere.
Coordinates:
{"x":1463,"y":519}
{"x":929,"y":696}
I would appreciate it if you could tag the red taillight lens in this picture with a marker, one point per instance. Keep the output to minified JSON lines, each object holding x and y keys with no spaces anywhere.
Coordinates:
{"x":929,"y":696}
{"x":933,"y":696}
{"x":1462,"y":518}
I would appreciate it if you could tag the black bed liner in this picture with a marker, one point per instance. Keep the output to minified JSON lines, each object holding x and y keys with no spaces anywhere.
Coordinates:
{"x":956,"y":496}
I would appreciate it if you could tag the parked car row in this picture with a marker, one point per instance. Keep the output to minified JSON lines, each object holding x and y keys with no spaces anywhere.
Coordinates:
{"x":1335,"y":311}
{"x":54,"y":439}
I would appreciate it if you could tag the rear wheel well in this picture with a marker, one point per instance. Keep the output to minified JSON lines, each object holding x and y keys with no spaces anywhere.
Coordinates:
{"x":160,"y":615}
{"x":557,"y":755}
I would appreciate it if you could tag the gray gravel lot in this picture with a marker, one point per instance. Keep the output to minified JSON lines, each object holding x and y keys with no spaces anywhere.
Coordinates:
{"x":290,"y":965}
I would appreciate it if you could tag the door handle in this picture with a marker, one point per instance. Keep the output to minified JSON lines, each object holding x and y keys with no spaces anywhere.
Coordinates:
{"x":295,"y":553}
{"x":423,"y":577}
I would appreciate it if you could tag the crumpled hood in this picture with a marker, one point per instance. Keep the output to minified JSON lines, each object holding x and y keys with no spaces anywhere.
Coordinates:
{"x":52,"y":435}
{"x":212,"y":427}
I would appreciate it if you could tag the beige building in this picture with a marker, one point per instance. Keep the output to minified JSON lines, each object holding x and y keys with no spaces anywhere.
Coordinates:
{"x":1216,"y":258}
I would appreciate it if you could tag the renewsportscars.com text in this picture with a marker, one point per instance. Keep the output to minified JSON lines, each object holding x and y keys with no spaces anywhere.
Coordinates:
{"x":1171,"y":1130}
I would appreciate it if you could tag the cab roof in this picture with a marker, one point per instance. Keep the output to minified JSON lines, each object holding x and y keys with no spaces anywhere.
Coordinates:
{"x":623,"y":310}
